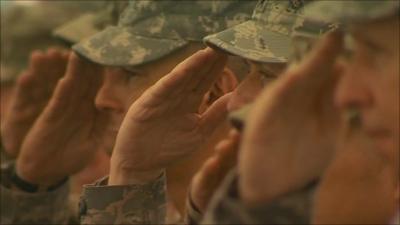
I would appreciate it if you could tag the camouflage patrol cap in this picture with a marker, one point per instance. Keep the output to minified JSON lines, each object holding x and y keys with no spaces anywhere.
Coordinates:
{"x":266,"y":38}
{"x":352,"y":10}
{"x":103,"y":14}
{"x":150,"y":30}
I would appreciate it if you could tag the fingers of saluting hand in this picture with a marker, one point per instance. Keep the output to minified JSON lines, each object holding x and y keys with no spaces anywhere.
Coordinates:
{"x":77,"y":90}
{"x":318,"y":67}
{"x":189,"y":75}
{"x":215,"y":114}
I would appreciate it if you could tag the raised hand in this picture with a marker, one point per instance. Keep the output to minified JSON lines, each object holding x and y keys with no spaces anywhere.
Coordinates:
{"x":34,"y":88}
{"x":164,"y":125}
{"x":291,"y":134}
{"x":61,"y":140}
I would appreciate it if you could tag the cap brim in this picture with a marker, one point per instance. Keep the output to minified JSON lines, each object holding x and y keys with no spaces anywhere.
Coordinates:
{"x":119,"y":46}
{"x":253,"y":41}
{"x":76,"y":30}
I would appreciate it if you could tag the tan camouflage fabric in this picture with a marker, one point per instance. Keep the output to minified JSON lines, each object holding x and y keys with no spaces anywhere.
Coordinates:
{"x":91,"y":23}
{"x":266,"y":38}
{"x":227,"y":208}
{"x":130,"y":204}
{"x":150,"y":30}
{"x":353,"y":10}
{"x":27,"y":27}
{"x":18,"y":207}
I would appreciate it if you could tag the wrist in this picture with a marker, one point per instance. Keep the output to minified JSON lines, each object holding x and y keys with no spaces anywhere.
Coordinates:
{"x":28,"y":173}
{"x":120,"y":175}
{"x":22,"y":184}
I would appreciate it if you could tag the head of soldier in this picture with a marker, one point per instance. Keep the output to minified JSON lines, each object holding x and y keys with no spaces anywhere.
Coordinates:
{"x":264,"y":43}
{"x":28,"y":29}
{"x":370,"y":83}
{"x":151,"y":38}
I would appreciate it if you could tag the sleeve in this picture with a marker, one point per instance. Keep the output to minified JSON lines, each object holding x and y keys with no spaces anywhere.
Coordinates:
{"x":18,"y":207}
{"x":227,"y":208}
{"x":130,"y":204}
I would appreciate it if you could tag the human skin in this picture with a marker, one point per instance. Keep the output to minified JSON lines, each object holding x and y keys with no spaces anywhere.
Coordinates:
{"x":33,"y":89}
{"x":63,"y":132}
{"x":297,"y":107}
{"x":121,"y":88}
{"x":361,"y":185}
{"x":6,"y":94}
{"x":174,"y":99}
{"x":212,"y":172}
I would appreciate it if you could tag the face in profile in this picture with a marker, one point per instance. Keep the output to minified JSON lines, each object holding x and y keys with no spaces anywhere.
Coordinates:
{"x":370,"y":83}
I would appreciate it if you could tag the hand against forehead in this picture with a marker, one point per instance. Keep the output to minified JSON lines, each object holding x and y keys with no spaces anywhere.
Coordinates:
{"x":290,"y":136}
{"x":34,"y":88}
{"x":164,"y":125}
{"x":358,"y":187}
{"x":61,"y":142}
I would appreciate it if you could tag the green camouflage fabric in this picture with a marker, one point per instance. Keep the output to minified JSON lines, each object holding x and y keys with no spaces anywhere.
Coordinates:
{"x":26,"y":26}
{"x":352,"y":10}
{"x":130,"y":204}
{"x":150,"y":30}
{"x":226,"y":206}
{"x":266,"y":38}
{"x":19,"y":207}
{"x":91,"y":23}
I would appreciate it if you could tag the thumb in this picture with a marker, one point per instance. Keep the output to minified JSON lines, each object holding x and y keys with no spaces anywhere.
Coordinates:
{"x":216,"y":113}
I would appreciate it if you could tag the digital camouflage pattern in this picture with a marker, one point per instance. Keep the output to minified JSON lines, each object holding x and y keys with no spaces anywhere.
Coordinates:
{"x":27,"y":26}
{"x":91,"y":23}
{"x":18,"y":207}
{"x":128,"y":204}
{"x":353,"y":10}
{"x":150,"y":30}
{"x":227,"y":208}
{"x":266,"y":37}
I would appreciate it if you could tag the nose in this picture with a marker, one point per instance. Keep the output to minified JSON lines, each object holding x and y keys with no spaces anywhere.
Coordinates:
{"x":246,"y":91}
{"x":107,"y":99}
{"x":352,"y":89}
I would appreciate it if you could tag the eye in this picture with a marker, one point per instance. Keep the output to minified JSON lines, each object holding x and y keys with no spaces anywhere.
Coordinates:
{"x":267,"y":77}
{"x":131,"y":72}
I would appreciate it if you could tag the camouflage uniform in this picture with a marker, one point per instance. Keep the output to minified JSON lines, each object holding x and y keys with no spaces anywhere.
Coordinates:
{"x":26,"y":28}
{"x":266,"y":38}
{"x":134,"y":203}
{"x":23,"y":22}
{"x":226,"y":206}
{"x":148,"y":31}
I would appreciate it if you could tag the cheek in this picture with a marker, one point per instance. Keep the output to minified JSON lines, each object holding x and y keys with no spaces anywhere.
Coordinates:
{"x":389,"y":92}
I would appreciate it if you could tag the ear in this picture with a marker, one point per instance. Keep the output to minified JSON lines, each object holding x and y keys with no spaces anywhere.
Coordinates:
{"x":227,"y":82}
